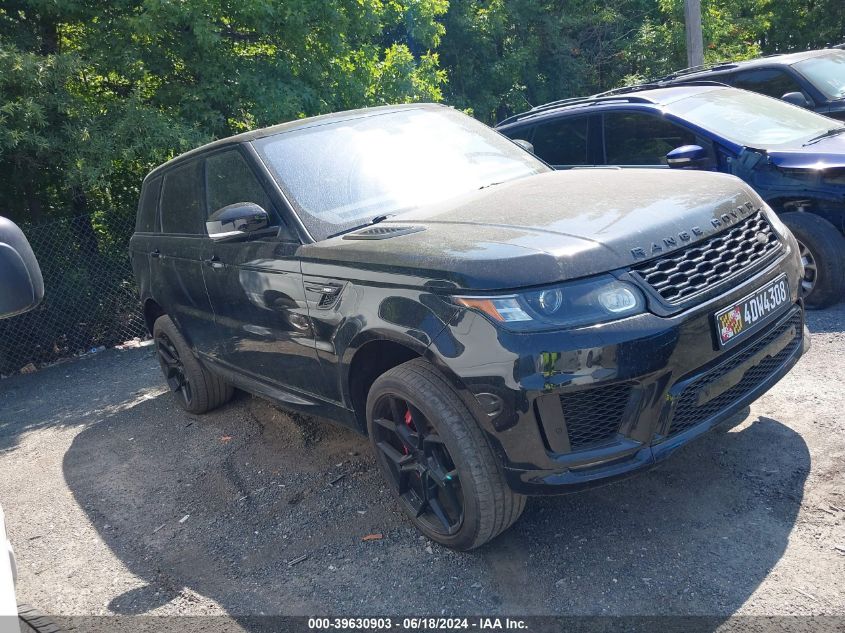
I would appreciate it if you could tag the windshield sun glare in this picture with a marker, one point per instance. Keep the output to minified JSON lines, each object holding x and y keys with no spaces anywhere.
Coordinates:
{"x":343,"y":173}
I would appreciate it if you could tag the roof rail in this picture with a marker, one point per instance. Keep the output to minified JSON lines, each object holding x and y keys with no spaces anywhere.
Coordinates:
{"x":543,"y":107}
{"x":655,"y":84}
{"x":617,"y":94}
{"x":700,"y":68}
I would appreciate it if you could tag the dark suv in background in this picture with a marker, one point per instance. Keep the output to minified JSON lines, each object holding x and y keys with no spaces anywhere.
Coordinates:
{"x":497,"y":328}
{"x":812,"y":79}
{"x":793,"y":158}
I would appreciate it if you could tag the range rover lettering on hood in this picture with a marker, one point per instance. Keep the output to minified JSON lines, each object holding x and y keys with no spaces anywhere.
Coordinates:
{"x":682,"y":237}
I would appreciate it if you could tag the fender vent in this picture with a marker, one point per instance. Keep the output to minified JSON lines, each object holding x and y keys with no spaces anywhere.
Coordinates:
{"x":382,"y":232}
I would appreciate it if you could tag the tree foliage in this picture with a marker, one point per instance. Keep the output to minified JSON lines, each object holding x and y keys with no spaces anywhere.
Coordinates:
{"x":94,"y":93}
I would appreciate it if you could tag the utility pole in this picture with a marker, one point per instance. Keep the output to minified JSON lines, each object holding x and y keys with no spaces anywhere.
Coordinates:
{"x":695,"y":41}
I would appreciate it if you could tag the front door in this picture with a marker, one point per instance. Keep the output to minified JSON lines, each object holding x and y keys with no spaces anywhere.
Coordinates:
{"x":256,"y":289}
{"x":177,"y":253}
{"x":641,"y":139}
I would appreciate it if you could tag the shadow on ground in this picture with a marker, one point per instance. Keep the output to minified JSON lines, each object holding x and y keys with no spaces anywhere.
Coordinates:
{"x":221,"y":506}
{"x":74,"y":393}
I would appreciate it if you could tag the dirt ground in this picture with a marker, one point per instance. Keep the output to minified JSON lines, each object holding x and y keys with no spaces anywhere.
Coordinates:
{"x":119,"y":503}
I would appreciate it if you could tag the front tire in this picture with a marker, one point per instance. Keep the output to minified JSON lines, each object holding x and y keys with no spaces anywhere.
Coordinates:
{"x":436,"y":459}
{"x":195,"y":389}
{"x":822,"y":250}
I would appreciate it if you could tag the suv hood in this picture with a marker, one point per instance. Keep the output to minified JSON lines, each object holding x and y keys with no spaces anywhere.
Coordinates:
{"x":826,"y":153}
{"x":541,"y":229}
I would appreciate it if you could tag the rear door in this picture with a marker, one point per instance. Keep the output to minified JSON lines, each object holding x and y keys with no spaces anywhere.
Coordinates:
{"x":146,"y":233}
{"x":255,"y":284}
{"x":177,"y":253}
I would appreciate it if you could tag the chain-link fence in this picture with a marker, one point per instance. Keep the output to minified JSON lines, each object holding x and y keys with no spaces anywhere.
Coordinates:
{"x":90,"y":298}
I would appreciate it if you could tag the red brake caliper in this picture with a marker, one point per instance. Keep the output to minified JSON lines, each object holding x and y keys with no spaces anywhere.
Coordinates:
{"x":409,"y":422}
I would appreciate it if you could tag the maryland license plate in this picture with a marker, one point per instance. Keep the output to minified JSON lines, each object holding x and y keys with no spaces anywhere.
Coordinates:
{"x":749,"y":312}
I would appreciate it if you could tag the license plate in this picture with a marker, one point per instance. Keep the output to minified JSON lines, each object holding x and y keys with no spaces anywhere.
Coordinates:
{"x":751,"y":311}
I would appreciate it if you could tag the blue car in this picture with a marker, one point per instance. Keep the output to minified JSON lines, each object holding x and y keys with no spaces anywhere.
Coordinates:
{"x":811,"y":79}
{"x":794,"y":158}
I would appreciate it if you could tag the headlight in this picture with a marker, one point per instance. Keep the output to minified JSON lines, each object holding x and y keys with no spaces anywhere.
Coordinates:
{"x":572,"y":304}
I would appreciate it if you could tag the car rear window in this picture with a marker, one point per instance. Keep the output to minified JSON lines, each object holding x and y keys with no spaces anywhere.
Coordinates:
{"x":147,"y":220}
{"x":181,"y":200}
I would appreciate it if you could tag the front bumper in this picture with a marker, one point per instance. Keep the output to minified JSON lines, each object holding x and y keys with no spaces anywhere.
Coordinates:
{"x":584,"y":407}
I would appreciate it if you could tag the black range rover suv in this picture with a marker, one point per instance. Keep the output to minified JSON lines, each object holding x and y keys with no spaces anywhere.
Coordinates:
{"x":497,"y":328}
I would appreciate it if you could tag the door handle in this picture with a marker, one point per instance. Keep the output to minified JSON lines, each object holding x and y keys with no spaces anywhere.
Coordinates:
{"x":155,"y":253}
{"x":214,"y":262}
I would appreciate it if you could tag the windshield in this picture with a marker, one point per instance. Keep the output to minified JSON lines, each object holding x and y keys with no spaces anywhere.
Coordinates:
{"x":750,"y":119}
{"x":827,"y":73}
{"x":341,"y":175}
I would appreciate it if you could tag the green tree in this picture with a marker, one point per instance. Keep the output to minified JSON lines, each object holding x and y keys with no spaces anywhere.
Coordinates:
{"x":94,"y":94}
{"x":506,"y":55}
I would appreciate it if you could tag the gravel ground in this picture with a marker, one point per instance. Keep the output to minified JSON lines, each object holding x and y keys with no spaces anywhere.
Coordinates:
{"x":117,"y":502}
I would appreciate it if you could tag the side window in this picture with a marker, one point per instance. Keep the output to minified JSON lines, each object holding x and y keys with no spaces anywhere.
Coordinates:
{"x":562,"y":142}
{"x":523,"y":133}
{"x":181,"y":206}
{"x":636,"y":138}
{"x":147,"y":220}
{"x":774,"y":83}
{"x":229,"y":179}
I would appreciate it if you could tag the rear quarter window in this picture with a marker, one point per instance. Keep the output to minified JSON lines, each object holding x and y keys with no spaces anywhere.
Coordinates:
{"x":147,"y":219}
{"x":181,"y":200}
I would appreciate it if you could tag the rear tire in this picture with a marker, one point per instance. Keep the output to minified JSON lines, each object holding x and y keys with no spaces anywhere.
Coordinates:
{"x":823,"y":252}
{"x":426,"y":438}
{"x":196,"y":389}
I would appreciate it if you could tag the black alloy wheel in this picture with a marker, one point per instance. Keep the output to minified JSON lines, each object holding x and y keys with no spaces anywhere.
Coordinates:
{"x":422,"y":471}
{"x":195,"y":388}
{"x":432,"y":452}
{"x":173,"y":369}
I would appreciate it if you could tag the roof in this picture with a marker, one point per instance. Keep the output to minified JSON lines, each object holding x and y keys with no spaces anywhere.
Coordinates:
{"x":661,"y":96}
{"x":314,"y":121}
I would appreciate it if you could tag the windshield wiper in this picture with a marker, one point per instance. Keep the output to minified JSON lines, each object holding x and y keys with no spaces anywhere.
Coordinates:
{"x":374,"y":220}
{"x":831,"y":132}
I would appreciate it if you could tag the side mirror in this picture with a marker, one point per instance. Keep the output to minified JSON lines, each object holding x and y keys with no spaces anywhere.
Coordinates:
{"x":687,"y":157}
{"x":21,"y":284}
{"x":236,"y":220}
{"x":528,"y":147}
{"x":797,"y":98}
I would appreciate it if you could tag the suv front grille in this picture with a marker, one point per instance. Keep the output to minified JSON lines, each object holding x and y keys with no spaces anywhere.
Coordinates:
{"x":682,"y":274}
{"x":688,"y":412}
{"x":594,"y":415}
